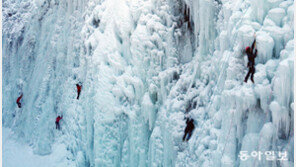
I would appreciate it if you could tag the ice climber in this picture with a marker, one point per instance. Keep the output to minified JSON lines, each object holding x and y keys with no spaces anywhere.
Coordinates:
{"x":18,"y":101}
{"x":251,"y":57}
{"x":189,"y":128}
{"x":57,"y":122}
{"x":78,"y":90}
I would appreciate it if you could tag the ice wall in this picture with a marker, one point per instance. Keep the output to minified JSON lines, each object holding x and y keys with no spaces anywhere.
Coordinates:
{"x":41,"y":48}
{"x":239,"y":116}
{"x":144,"y":66}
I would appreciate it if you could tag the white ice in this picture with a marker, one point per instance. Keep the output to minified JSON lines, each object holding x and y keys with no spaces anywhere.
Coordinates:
{"x":144,"y":66}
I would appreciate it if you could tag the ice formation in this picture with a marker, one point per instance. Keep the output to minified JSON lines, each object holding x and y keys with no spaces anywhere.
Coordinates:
{"x":144,"y":66}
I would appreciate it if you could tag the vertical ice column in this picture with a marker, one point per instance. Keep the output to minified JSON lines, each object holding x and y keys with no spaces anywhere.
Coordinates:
{"x":204,"y":18}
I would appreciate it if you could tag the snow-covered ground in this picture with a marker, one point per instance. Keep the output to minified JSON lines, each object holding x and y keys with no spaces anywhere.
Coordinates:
{"x":16,"y":153}
{"x":145,"y":65}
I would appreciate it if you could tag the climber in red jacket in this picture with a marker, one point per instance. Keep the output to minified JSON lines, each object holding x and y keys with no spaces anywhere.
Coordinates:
{"x":57,"y":122}
{"x":18,"y":101}
{"x":251,"y":57}
{"x":78,"y":90}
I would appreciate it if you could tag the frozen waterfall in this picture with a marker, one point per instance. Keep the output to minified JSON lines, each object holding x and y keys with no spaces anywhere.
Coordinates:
{"x":145,"y":65}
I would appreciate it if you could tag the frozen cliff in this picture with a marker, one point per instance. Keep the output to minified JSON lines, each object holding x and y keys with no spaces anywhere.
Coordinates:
{"x":145,"y":65}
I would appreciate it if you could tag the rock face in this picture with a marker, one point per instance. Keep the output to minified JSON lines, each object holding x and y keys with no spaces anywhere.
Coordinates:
{"x":144,"y":65}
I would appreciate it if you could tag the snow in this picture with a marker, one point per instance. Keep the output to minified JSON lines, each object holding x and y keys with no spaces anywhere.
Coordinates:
{"x":16,"y":153}
{"x":144,"y":66}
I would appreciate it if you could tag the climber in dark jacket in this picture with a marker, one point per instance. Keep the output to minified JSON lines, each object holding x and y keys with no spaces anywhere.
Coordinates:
{"x":78,"y":90}
{"x":189,"y":128}
{"x":57,"y":122}
{"x":18,"y":101}
{"x":251,"y":64}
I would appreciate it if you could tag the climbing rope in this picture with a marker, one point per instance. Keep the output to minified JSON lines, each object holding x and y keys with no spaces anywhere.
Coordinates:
{"x":228,"y":134}
{"x":235,"y":36}
{"x":216,"y":87}
{"x":259,"y":141}
{"x":215,"y":90}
